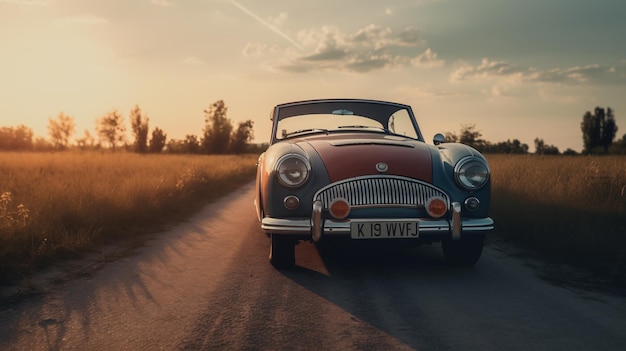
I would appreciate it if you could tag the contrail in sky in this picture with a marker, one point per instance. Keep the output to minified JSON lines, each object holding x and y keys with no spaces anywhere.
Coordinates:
{"x":267,"y":24}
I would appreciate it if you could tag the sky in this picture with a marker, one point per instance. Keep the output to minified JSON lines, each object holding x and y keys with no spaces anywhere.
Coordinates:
{"x":517,"y":69}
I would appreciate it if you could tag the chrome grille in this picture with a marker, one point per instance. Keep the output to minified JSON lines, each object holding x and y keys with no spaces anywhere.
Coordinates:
{"x":380,"y":191}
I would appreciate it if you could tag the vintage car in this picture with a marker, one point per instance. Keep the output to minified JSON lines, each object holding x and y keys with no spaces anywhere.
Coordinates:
{"x":361,"y":169}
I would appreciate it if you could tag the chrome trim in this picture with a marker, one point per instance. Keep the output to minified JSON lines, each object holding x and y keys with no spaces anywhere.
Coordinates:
{"x":310,"y":226}
{"x":316,"y":221}
{"x":455,"y":225}
{"x":380,"y":191}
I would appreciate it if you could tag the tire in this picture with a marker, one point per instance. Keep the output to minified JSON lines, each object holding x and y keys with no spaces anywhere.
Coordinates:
{"x":464,"y":252}
{"x":282,"y":251}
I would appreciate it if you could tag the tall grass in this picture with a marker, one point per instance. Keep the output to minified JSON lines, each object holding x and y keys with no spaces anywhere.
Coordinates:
{"x":571,"y":208}
{"x":62,"y":204}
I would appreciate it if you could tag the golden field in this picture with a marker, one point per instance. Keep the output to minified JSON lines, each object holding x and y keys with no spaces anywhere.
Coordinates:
{"x":55,"y":205}
{"x":571,"y":208}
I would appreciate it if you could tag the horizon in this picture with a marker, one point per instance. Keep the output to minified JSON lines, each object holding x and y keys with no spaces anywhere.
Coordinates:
{"x":517,"y":70}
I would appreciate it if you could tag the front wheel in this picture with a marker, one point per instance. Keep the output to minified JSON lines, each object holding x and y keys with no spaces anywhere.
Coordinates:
{"x":464,"y":252}
{"x":282,"y":251}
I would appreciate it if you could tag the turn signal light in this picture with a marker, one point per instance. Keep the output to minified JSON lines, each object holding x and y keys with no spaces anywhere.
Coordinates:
{"x":472,"y":204}
{"x":436,"y":207}
{"x":339,"y":208}
{"x":291,"y":202}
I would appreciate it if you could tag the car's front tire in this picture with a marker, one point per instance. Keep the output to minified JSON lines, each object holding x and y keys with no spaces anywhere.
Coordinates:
{"x":282,"y":251}
{"x":464,"y":252}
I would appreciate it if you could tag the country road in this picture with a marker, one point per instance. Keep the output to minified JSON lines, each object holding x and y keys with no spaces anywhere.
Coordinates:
{"x":206,"y":285}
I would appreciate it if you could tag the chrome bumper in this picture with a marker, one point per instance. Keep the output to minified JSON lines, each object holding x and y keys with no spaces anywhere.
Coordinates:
{"x":316,"y":227}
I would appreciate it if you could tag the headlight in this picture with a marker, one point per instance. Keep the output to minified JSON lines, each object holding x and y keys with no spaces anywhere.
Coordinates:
{"x":471,"y":173}
{"x":293,"y":170}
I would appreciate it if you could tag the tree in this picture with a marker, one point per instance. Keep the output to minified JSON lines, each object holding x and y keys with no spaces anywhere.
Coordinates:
{"x":542,"y":149}
{"x":241,"y":137}
{"x":619,"y":146}
{"x":60,"y":130}
{"x":111,"y":129}
{"x":192,"y":144}
{"x":451,"y":137}
{"x":590,"y":126}
{"x":16,"y":138}
{"x":570,"y":152}
{"x":139,"y":125}
{"x":189,"y":145}
{"x":86,"y":141}
{"x":157,"y":143}
{"x":609,"y":129}
{"x":174,"y":146}
{"x":41,"y":144}
{"x":471,"y":136}
{"x":507,"y":147}
{"x":598,"y":130}
{"x":217,"y":129}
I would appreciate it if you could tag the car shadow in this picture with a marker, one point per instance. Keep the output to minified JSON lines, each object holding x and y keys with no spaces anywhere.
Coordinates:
{"x":382,"y":285}
{"x":371,"y":257}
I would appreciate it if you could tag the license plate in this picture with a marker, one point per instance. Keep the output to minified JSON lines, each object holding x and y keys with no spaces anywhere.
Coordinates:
{"x":384,"y":230}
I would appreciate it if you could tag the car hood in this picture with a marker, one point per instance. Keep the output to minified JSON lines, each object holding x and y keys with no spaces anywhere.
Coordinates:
{"x":353,"y":156}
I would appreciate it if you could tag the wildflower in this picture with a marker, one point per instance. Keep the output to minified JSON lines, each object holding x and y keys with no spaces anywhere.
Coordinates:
{"x":22,"y":214}
{"x":5,"y":200}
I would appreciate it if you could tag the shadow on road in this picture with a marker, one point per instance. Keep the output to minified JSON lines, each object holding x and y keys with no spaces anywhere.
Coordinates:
{"x":387,"y":286}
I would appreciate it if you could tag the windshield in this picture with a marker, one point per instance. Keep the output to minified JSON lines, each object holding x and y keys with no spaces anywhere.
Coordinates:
{"x":338,"y":116}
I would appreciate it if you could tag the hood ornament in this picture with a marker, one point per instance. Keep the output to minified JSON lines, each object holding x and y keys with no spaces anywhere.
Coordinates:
{"x":382,"y":167}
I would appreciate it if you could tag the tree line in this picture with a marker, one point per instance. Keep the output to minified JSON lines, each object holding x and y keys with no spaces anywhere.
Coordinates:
{"x":598,"y":133}
{"x":219,"y":136}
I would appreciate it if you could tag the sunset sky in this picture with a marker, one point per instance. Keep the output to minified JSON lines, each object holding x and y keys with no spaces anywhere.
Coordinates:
{"x":518,"y":69}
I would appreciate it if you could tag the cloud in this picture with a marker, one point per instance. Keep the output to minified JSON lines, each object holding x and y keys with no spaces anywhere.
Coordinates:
{"x":280,"y":20}
{"x":490,"y":69}
{"x":427,"y":59}
{"x":327,"y":48}
{"x":589,"y":74}
{"x":410,"y":36}
{"x":367,"y":63}
{"x":381,"y":38}
{"x":370,"y":48}
{"x":257,"y":49}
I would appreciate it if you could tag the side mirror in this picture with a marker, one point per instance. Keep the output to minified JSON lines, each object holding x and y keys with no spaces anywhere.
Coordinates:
{"x":439,"y":139}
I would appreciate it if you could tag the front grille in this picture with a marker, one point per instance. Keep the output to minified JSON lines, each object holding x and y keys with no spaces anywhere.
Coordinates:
{"x":391,"y":191}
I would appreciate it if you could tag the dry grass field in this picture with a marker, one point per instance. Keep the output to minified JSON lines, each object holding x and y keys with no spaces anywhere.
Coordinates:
{"x":56,"y":205}
{"x":570,"y":208}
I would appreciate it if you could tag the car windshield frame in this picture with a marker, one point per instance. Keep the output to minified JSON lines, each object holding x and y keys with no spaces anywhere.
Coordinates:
{"x":377,"y":112}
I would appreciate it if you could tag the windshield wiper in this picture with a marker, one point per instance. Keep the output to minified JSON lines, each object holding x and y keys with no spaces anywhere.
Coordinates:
{"x":387,"y":131}
{"x":309,"y":130}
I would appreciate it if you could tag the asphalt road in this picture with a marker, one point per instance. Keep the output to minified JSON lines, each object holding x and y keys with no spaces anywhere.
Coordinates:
{"x":206,"y":285}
